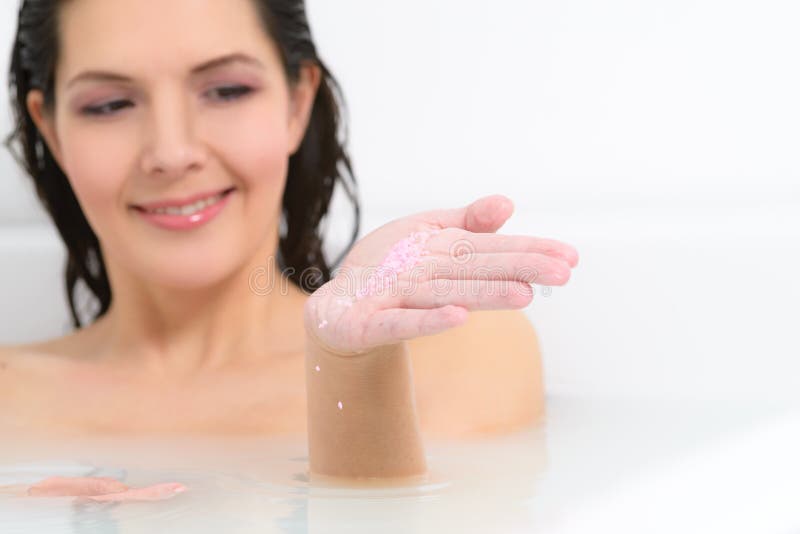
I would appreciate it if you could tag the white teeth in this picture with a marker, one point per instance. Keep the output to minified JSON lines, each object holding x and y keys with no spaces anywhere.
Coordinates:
{"x":189,"y":209}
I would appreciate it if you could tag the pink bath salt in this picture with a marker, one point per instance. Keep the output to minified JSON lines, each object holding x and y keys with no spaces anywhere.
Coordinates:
{"x":345,"y":302}
{"x":340,"y":405}
{"x":324,"y":323}
{"x":317,"y":368}
{"x":401,"y":257}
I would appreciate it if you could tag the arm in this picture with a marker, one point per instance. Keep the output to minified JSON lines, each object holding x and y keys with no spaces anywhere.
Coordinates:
{"x":362,"y":419}
{"x":375,"y":433}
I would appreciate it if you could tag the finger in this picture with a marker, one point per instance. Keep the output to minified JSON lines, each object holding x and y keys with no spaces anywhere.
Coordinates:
{"x":470,"y":294}
{"x":75,"y":486}
{"x":529,"y":267}
{"x":487,"y":214}
{"x":455,"y":241}
{"x":395,"y":324}
{"x":151,"y":493}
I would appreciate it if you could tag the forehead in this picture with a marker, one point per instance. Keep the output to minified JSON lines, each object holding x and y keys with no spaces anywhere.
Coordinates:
{"x":154,"y":36}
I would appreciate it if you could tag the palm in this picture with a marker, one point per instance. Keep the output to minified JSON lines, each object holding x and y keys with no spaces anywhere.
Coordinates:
{"x":407,"y":278}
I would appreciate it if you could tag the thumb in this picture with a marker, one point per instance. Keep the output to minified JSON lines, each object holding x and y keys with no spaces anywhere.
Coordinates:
{"x":487,"y":214}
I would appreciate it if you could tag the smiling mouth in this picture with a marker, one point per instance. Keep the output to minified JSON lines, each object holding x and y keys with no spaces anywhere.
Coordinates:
{"x":187,"y":208}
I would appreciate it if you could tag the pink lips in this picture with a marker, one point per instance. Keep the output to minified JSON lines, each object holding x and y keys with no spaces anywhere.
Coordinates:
{"x":179,"y":202}
{"x":184,"y":222}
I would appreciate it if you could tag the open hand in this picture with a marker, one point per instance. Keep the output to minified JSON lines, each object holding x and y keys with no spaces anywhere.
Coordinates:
{"x":102,"y":489}
{"x":422,"y":274}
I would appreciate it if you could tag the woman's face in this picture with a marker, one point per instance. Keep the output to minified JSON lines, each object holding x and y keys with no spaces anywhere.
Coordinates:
{"x":162,"y":129}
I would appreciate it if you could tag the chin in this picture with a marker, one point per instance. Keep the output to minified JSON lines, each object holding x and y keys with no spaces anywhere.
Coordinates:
{"x":191,"y":279}
{"x":190,"y":262}
{"x":195,"y":272}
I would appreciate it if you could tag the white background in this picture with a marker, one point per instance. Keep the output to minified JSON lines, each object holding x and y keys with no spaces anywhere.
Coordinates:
{"x":659,"y":138}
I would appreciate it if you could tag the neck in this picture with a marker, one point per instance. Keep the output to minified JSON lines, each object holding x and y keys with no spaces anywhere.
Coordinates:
{"x":173,"y":332}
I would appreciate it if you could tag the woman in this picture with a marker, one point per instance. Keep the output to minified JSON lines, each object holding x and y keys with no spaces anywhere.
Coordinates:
{"x":170,"y":141}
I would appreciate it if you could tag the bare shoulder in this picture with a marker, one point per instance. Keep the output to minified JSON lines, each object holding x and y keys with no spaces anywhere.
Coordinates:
{"x":24,"y":365}
{"x":6,"y":353}
{"x":22,"y":354}
{"x":484,"y":377}
{"x":10,"y":358}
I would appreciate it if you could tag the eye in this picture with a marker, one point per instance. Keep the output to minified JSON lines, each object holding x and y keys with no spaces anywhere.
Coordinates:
{"x":231,"y":92}
{"x":226,"y":94}
{"x":100,"y":110}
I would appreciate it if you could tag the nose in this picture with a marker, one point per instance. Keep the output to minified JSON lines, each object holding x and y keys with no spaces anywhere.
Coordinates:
{"x":172,"y":149}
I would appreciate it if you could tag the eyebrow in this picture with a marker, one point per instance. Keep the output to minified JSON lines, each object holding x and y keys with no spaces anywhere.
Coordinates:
{"x":236,"y":57}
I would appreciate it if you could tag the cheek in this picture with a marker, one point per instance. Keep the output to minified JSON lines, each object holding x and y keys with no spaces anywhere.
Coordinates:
{"x":95,"y":165}
{"x":255,"y":145}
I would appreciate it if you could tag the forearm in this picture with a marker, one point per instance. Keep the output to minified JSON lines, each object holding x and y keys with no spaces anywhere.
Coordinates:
{"x":362,"y":419}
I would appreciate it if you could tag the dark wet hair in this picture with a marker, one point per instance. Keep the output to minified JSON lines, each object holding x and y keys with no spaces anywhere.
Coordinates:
{"x":320,"y":162}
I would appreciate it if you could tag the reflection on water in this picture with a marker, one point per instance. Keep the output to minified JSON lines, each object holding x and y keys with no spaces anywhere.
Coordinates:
{"x":251,"y":485}
{"x":255,"y":485}
{"x":503,"y":484}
